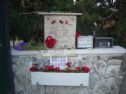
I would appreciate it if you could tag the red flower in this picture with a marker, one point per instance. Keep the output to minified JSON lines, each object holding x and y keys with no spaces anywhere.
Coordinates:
{"x":49,"y":68}
{"x":49,"y":38}
{"x":85,"y":69}
{"x":57,"y":69}
{"x":77,"y":34}
{"x":50,"y":42}
{"x":78,"y":68}
{"x":68,"y":64}
{"x":32,"y":69}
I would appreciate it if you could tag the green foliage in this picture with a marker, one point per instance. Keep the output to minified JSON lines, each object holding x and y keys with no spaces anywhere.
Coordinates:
{"x":89,"y":16}
{"x":35,"y":46}
{"x":120,"y":28}
{"x":23,"y":26}
{"x":30,"y":27}
{"x":27,"y":27}
{"x":62,"y":5}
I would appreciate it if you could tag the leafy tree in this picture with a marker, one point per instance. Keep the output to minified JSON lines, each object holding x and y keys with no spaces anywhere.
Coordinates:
{"x":108,"y":16}
{"x":86,"y":21}
{"x":24,"y":24}
{"x":121,"y":24}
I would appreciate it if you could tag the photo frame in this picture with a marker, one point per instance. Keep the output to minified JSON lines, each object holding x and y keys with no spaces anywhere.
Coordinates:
{"x":84,"y":42}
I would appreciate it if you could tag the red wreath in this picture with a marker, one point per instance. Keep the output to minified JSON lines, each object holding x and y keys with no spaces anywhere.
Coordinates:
{"x":50,"y":42}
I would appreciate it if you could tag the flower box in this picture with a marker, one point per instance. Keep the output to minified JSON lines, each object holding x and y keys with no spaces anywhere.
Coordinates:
{"x":60,"y":79}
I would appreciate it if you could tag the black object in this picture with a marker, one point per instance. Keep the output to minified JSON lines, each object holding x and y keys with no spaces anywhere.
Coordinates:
{"x":103,"y":42}
{"x":6,"y":75}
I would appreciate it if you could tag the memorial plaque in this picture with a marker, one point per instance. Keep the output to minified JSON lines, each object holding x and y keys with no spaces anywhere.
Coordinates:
{"x":62,"y":28}
{"x":85,"y":42}
{"x":59,"y":62}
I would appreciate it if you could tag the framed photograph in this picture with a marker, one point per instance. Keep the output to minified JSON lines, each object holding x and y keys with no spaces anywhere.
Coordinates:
{"x":103,"y":42}
{"x":84,"y":42}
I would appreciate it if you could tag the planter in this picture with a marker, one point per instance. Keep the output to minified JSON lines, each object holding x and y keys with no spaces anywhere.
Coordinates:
{"x":60,"y":79}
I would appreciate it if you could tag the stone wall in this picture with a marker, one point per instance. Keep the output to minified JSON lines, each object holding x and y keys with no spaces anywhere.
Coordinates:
{"x":105,"y":77}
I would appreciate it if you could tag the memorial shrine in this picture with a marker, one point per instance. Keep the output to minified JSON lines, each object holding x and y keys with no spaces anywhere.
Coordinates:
{"x":71,"y":64}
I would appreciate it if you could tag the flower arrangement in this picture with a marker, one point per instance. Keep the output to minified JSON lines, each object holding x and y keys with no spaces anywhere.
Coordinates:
{"x":50,"y":42}
{"x":20,"y":46}
{"x":68,"y":69}
{"x":32,"y":45}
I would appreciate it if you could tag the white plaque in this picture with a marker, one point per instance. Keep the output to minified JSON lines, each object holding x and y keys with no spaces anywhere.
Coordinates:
{"x":58,"y":62}
{"x":85,"y":42}
{"x":62,"y":28}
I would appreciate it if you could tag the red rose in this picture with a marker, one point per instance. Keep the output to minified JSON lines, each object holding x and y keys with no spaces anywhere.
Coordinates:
{"x":57,"y":69}
{"x":68,"y":64}
{"x":78,"y":68}
{"x":49,"y":68}
{"x":85,"y":69}
{"x":49,"y":37}
{"x":77,"y":34}
{"x":50,"y":42}
{"x":32,"y":69}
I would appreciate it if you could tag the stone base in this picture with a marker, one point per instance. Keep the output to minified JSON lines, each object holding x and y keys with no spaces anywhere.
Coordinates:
{"x":107,"y":71}
{"x":105,"y":76}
